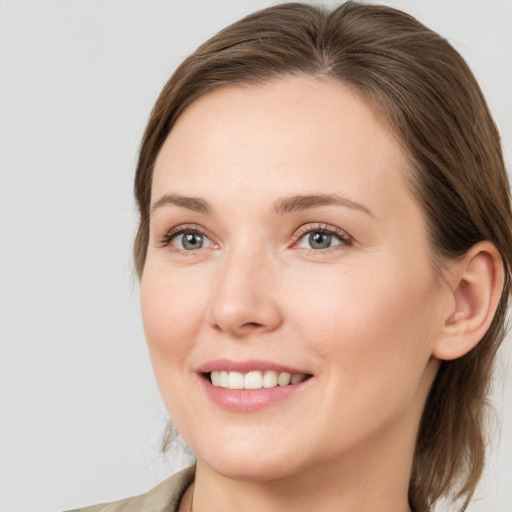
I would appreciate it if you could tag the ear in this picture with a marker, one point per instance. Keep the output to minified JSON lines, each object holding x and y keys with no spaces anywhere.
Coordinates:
{"x":476,"y":283}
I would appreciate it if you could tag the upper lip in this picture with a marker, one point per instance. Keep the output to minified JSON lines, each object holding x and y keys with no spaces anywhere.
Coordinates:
{"x":247,"y":366}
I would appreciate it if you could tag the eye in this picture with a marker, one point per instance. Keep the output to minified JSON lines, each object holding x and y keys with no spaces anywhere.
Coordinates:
{"x":318,"y":240}
{"x":190,"y":241}
{"x":322,"y":238}
{"x":186,"y":239}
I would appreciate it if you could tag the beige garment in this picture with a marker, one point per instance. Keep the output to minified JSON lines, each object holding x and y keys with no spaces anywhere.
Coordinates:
{"x":165,"y":497}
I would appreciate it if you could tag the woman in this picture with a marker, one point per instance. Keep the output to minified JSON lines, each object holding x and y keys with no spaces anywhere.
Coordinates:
{"x":324,"y":251}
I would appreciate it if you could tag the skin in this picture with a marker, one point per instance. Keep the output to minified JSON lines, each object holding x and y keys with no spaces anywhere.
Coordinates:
{"x":363,"y":317}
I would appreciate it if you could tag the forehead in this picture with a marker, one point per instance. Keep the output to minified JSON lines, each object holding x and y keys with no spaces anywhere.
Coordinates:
{"x":300,"y":132}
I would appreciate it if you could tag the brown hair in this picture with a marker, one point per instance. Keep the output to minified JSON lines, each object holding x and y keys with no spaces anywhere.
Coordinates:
{"x":425,"y":92}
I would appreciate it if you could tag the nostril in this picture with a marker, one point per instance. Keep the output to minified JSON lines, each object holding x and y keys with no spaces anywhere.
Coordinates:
{"x":251,"y":324}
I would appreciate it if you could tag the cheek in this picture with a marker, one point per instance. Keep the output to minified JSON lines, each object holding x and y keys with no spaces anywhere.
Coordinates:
{"x":171,"y":313}
{"x":171,"y":310}
{"x":372,"y":336}
{"x":383,"y":316}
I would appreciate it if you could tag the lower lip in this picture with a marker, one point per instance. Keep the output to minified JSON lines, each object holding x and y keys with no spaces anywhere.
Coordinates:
{"x":249,"y":400}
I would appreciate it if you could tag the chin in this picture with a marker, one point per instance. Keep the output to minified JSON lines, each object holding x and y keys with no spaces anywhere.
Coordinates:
{"x":261,"y":469}
{"x":250,"y":463}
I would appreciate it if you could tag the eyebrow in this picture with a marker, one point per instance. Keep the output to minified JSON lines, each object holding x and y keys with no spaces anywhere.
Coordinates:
{"x":195,"y":204}
{"x":304,"y":202}
{"x":281,"y":206}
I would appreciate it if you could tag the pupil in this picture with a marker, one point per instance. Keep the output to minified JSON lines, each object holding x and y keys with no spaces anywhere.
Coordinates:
{"x":319,"y":240}
{"x":192,"y":241}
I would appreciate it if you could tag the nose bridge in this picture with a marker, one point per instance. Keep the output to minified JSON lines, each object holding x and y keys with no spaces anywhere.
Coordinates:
{"x":242,"y":300}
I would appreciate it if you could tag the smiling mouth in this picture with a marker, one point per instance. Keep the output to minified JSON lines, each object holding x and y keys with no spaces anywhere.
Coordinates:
{"x":254,"y":379}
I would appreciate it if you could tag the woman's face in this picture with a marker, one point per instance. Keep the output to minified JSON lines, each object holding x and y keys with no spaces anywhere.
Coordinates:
{"x":284,"y":240}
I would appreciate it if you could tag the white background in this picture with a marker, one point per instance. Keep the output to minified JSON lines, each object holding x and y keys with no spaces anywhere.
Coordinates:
{"x":80,"y":414}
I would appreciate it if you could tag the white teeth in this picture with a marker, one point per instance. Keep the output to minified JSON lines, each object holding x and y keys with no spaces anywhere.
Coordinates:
{"x":270,"y":379}
{"x":254,"y":379}
{"x":235,"y":380}
{"x":224,"y":379}
{"x":284,"y":379}
{"x":297,"y":377}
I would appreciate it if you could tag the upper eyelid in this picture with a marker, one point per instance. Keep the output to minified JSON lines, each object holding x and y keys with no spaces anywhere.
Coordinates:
{"x":321,"y":227}
{"x":180,"y":228}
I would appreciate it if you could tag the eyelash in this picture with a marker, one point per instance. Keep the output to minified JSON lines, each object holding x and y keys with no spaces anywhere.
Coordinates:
{"x":167,"y":238}
{"x":345,"y":239}
{"x":324,"y":229}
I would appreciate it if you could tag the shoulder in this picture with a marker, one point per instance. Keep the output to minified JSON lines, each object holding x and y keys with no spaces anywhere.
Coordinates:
{"x":165,"y":497}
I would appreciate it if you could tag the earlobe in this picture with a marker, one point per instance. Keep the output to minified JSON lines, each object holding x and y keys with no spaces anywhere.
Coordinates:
{"x":477,"y":282}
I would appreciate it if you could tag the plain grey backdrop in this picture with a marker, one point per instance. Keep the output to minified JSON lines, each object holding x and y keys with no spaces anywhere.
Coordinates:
{"x":81,"y":418}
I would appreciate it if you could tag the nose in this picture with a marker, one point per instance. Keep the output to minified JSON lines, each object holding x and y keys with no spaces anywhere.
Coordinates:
{"x":244,"y":298}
